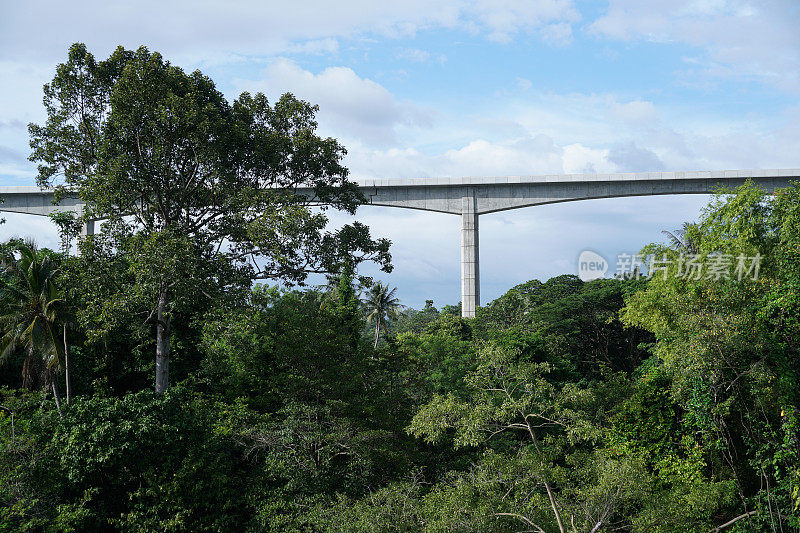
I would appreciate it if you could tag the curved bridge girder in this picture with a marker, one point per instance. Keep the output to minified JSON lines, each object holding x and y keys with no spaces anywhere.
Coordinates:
{"x":493,"y":197}
{"x":471,"y":197}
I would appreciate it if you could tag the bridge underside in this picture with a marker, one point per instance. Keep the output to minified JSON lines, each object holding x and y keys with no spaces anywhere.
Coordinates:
{"x":491,"y":195}
{"x":471,"y":197}
{"x":490,"y":198}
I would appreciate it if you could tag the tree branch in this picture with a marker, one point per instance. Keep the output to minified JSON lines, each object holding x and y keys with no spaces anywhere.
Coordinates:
{"x":733,"y":521}
{"x":515,"y":515}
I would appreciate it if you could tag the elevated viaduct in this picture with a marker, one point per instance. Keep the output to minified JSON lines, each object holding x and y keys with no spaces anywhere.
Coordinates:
{"x":470,"y":197}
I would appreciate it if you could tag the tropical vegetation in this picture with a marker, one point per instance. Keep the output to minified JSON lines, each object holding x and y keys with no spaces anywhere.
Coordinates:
{"x":211,"y":391}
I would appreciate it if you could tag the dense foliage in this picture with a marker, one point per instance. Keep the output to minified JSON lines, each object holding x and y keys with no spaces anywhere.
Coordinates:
{"x":667,"y":404}
{"x":196,"y":194}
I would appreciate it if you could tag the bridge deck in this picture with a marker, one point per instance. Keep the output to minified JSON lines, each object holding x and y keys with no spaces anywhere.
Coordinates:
{"x":472,"y":196}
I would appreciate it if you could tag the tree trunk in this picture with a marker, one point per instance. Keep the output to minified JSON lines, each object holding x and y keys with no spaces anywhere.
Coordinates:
{"x":377,"y":333}
{"x":554,"y":505}
{"x":28,"y":368}
{"x":66,"y":366}
{"x":55,"y":392}
{"x":162,"y":345}
{"x":548,"y":488}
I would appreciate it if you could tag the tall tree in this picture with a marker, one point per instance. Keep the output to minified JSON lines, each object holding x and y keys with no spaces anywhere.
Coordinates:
{"x":31,"y":305}
{"x":727,"y":338}
{"x":199,"y":194}
{"x":381,"y":304}
{"x":506,"y":395}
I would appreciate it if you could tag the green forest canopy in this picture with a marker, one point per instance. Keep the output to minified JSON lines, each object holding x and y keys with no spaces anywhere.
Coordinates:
{"x":662,"y":405}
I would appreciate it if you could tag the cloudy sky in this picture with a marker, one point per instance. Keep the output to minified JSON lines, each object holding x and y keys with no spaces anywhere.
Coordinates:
{"x":463,"y":88}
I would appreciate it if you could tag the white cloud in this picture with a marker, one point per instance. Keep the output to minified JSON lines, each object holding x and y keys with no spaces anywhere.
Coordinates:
{"x":585,"y":133}
{"x":317,"y":46}
{"x":503,"y":19}
{"x":14,"y":124}
{"x":37,"y":228}
{"x":20,"y":104}
{"x":592,"y":119}
{"x":736,"y":38}
{"x":483,"y":158}
{"x":524,"y":83}
{"x":530,"y":155}
{"x":579,"y":159}
{"x":350,"y":106}
{"x":674,"y":137}
{"x":633,"y":112}
{"x":519,"y":245}
{"x":9,"y":155}
{"x":183,"y":26}
{"x":365,"y":162}
{"x":390,"y":137}
{"x":189,"y":29}
{"x":628,"y":157}
{"x":559,"y":34}
{"x":21,"y":93}
{"x":413,"y":54}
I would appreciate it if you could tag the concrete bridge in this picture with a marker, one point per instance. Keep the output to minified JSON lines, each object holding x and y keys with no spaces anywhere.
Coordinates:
{"x":474,"y":196}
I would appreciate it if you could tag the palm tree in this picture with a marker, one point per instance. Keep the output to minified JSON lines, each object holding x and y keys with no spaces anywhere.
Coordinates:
{"x":29,"y":310}
{"x":381,"y":304}
{"x":681,"y":240}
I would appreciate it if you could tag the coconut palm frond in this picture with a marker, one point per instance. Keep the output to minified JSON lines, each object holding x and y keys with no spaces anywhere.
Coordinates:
{"x":30,"y":307}
{"x":379,"y":305}
{"x":680,"y":239}
{"x":676,"y":241}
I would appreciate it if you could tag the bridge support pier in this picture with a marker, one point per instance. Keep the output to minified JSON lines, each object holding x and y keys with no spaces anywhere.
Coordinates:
{"x":470,"y":271}
{"x":87,"y":228}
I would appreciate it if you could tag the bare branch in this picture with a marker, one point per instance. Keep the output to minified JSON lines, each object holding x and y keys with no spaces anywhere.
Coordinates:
{"x":526,"y":520}
{"x":733,"y":521}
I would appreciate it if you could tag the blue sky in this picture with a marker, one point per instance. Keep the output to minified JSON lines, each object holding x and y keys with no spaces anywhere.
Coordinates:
{"x":455,"y":88}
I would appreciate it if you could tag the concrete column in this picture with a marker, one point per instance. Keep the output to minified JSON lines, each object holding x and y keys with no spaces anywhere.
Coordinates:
{"x":470,"y":271}
{"x":88,"y":228}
